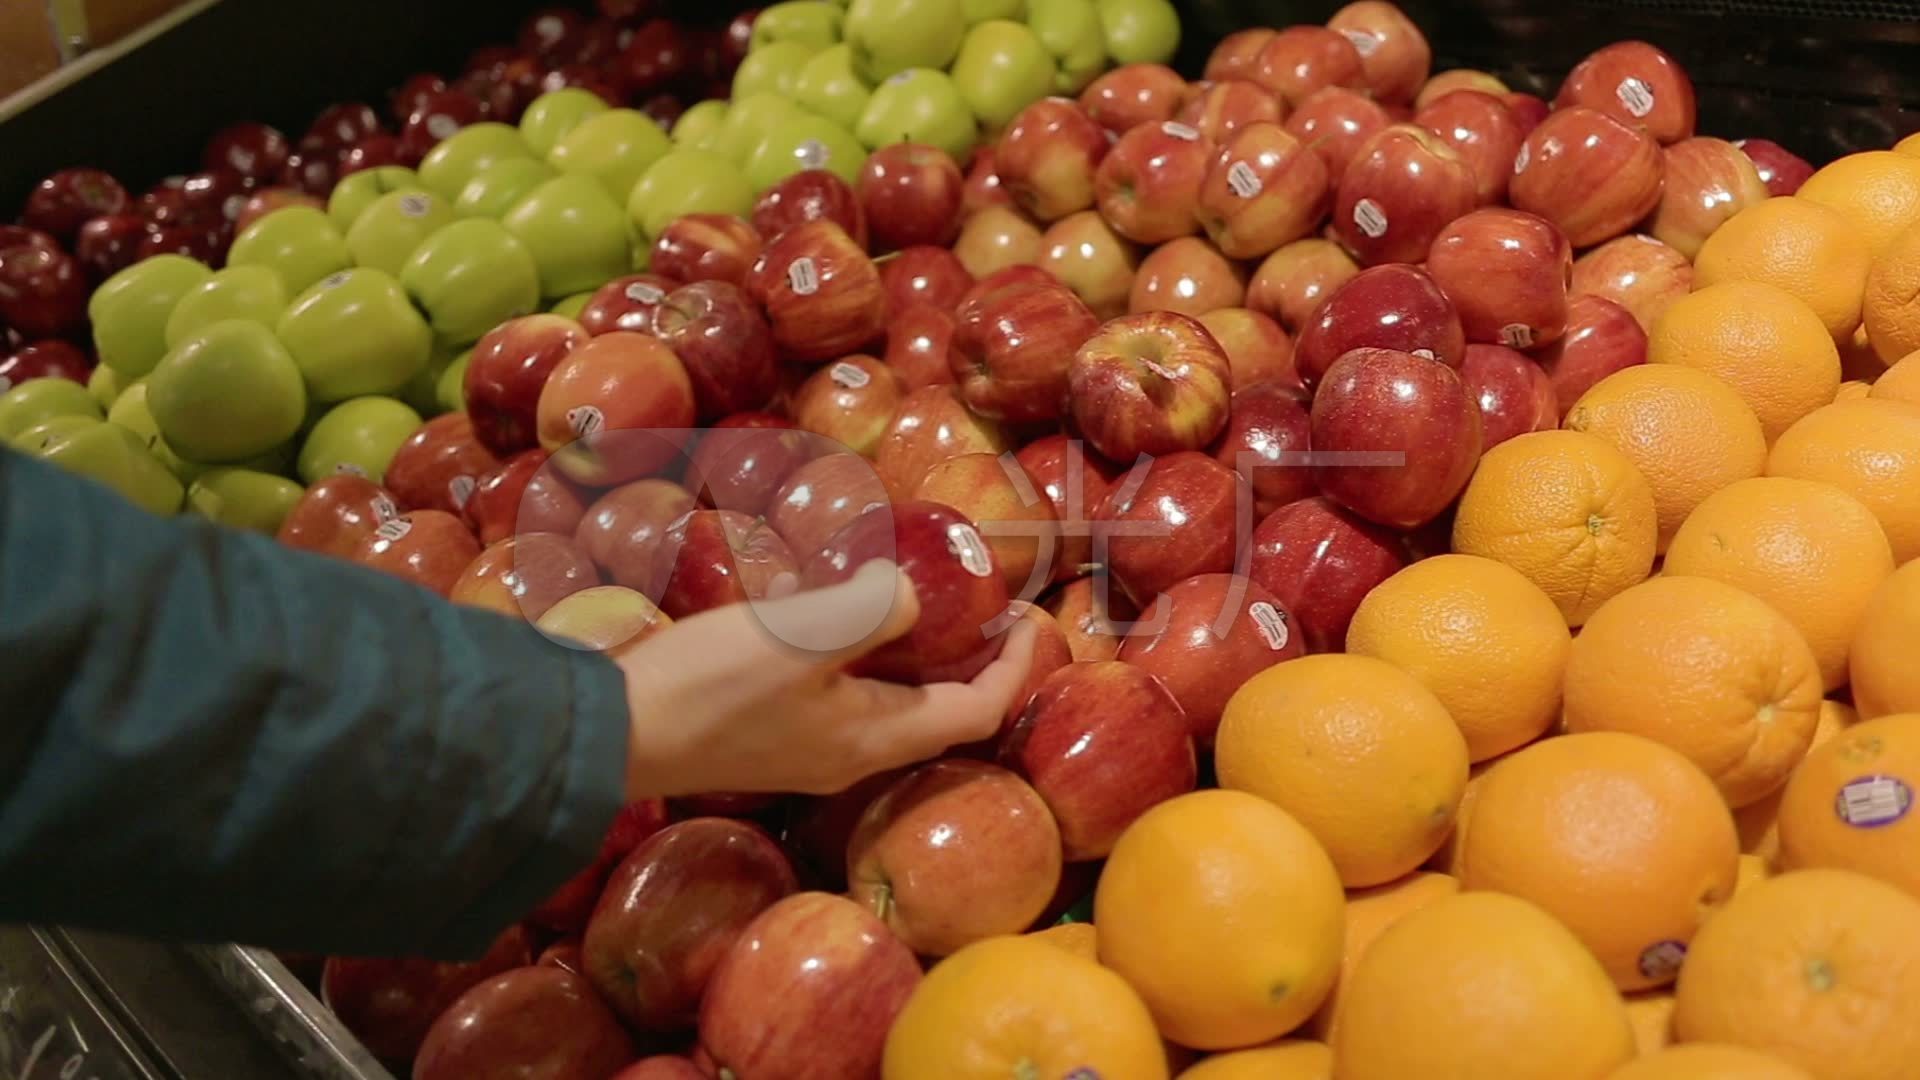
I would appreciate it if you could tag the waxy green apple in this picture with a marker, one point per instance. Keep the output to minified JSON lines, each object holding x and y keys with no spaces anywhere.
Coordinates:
{"x":299,"y":243}
{"x":135,"y":413}
{"x":37,"y":400}
{"x":576,"y":233}
{"x":129,"y":310}
{"x":105,"y":384}
{"x":1139,"y":31}
{"x":890,"y":36}
{"x":449,"y":391}
{"x":829,"y":87}
{"x":387,"y":232}
{"x":42,"y":434}
{"x":466,"y":153}
{"x":353,"y":194}
{"x":806,"y":142}
{"x":470,"y":277}
{"x":923,"y":106}
{"x":614,"y":147}
{"x":1002,"y":68}
{"x":355,"y":333}
{"x":749,"y":120}
{"x":813,"y":23}
{"x":422,"y":392}
{"x":493,"y":190}
{"x":553,"y":114}
{"x":979,"y":11}
{"x":243,"y":498}
{"x":700,"y":126}
{"x":1071,"y":32}
{"x":570,"y":307}
{"x":119,"y":459}
{"x":227,"y":393}
{"x":774,"y":69}
{"x":254,"y":293}
{"x":358,"y":436}
{"x":687,"y":181}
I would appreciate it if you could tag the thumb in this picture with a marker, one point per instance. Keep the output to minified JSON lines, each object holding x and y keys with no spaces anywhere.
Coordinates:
{"x":776,"y":640}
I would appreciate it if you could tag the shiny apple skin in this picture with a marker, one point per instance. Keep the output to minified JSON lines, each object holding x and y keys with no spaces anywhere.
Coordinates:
{"x":1383,"y":400}
{"x":910,"y":195}
{"x":534,"y":1021}
{"x":1211,"y":634}
{"x":624,"y":527}
{"x":1075,"y":480}
{"x":1152,"y":383}
{"x":1335,"y":121}
{"x":849,"y":402}
{"x":1602,"y":337}
{"x":1222,"y":107}
{"x":1014,"y":518}
{"x":920,"y":346}
{"x":1507,"y":274}
{"x":924,"y":274}
{"x":1707,"y":182}
{"x":1402,"y":187}
{"x":1012,"y":349}
{"x":1134,"y":94}
{"x":1398,"y":58}
{"x":1269,"y":432}
{"x":1183,"y":517}
{"x":426,"y":547}
{"x":1265,"y":188}
{"x":1384,"y":307}
{"x":1637,"y":84}
{"x":1188,"y":276}
{"x":522,"y":576}
{"x":1237,"y":55}
{"x":390,"y":1002}
{"x":1637,"y":272}
{"x":822,"y":496}
{"x":711,"y":558}
{"x":706,"y":247}
{"x":1257,"y":349}
{"x":931,"y":425}
{"x":740,"y":462}
{"x":1301,"y":59}
{"x":1094,"y":613}
{"x":1293,"y":281}
{"x":809,"y":195}
{"x":1148,"y":185}
{"x":1047,"y":158}
{"x":1514,"y":393}
{"x":1321,"y":560}
{"x":1782,"y":170}
{"x":821,"y":292}
{"x":1084,"y":253}
{"x":1484,"y":132}
{"x":1589,"y":174}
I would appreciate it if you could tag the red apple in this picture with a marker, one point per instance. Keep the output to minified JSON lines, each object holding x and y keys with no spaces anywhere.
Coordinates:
{"x":266,"y":200}
{"x":1134,"y":94}
{"x":710,"y":558}
{"x":1483,"y":131}
{"x":954,"y":852}
{"x":1152,"y":383}
{"x":1638,"y":85}
{"x":253,"y":152}
{"x":809,"y":991}
{"x":21,"y":235}
{"x":551,"y":34}
{"x":706,"y":247}
{"x":1507,"y":274}
{"x":109,"y":244}
{"x":565,"y":953}
{"x":506,"y":374}
{"x":43,"y":360}
{"x":440,"y":465}
{"x":1301,"y":59}
{"x":1514,"y":393}
{"x":1148,"y":185}
{"x":618,"y":408}
{"x":1012,"y":347}
{"x":1169,"y":519}
{"x":1264,"y":189}
{"x":43,"y":293}
{"x":1188,"y":276}
{"x":390,"y":1002}
{"x":207,"y":244}
{"x":1402,"y":187}
{"x":1237,"y":56}
{"x":820,"y":826}
{"x":436,"y":118}
{"x":1527,"y":109}
{"x":924,"y":274}
{"x":373,"y":152}
{"x":658,"y":55}
{"x":1637,"y":272}
{"x":1320,"y":561}
{"x":624,"y":528}
{"x":626,"y":303}
{"x":910,"y":194}
{"x":537,"y":1021}
{"x":1047,"y":157}
{"x":569,"y":907}
{"x":413,"y":93}
{"x":995,"y":239}
{"x":1228,"y":105}
{"x":1050,"y":653}
{"x":1602,"y":337}
{"x":931,"y":425}
{"x":672,"y":909}
{"x":313,"y":167}
{"x":806,"y":196}
{"x":60,"y":204}
{"x":1588,"y":173}
{"x":663,"y":1066}
{"x":337,"y":514}
{"x":821,"y":497}
{"x":524,"y":575}
{"x":850,"y":401}
{"x":963,"y":598}
{"x":1005,"y":281}
{"x":1393,"y":52}
{"x":1446,"y":82}
{"x":427,"y":547}
{"x":1015,"y":518}
{"x":1202,"y":639}
{"x":821,"y":292}
{"x":920,"y":346}
{"x":1257,"y":349}
{"x":983,"y":184}
{"x":1266,"y":441}
{"x":1780,"y":169}
{"x":716,"y":330}
{"x":1075,"y":481}
{"x":1384,"y":307}
{"x":1707,"y":182}
{"x":1093,"y":615}
{"x":1414,"y":416}
{"x":740,"y":462}
{"x":523,"y":495}
{"x":1293,"y":281}
{"x":1334,"y":122}
{"x":611,"y":620}
{"x":1083,"y":253}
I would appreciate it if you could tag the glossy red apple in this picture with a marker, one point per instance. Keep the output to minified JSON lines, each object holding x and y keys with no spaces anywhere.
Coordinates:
{"x":1187,"y":276}
{"x":1514,"y":393}
{"x":337,"y":514}
{"x":706,"y":247}
{"x":413,"y":93}
{"x":1225,"y":106}
{"x":1134,"y":94}
{"x":205,"y":244}
{"x":523,"y":495}
{"x":1483,"y":131}
{"x":508,"y":369}
{"x":1237,"y":56}
{"x":924,"y":274}
{"x":427,"y":547}
{"x":60,"y":204}
{"x":564,"y":954}
{"x":1780,"y":169}
{"x":1394,"y":54}
{"x":1301,"y":59}
{"x":1589,"y":174}
{"x":910,"y":194}
{"x":21,"y":235}
{"x":389,"y":1003}
{"x":1203,"y":638}
{"x":1047,"y":157}
{"x":809,"y":991}
{"x":522,"y":576}
{"x":821,"y":292}
{"x":1293,"y":281}
{"x":920,"y":346}
{"x":43,"y":293}
{"x":849,"y":402}
{"x":931,"y":425}
{"x":1094,"y":614}
{"x":1602,"y":337}
{"x":1320,"y":561}
{"x":626,"y":303}
{"x":1706,"y":182}
{"x":1012,"y":515}
{"x":437,"y":117}
{"x":1402,"y":187}
{"x":806,"y":196}
{"x":1257,"y":349}
{"x":1172,"y":518}
{"x":1012,"y":348}
{"x":1075,"y":481}
{"x":1395,"y":436}
{"x":658,"y":55}
{"x":1148,"y":185}
{"x":623,"y":529}
{"x":618,"y":408}
{"x":672,"y":909}
{"x":1507,"y":274}
{"x":962,"y":595}
{"x":1334,"y":122}
{"x":1638,"y":85}
{"x":439,"y":466}
{"x":820,"y":498}
{"x":1264,"y":189}
{"x":1443,"y":83}
{"x":716,"y":330}
{"x":109,"y":244}
{"x":1266,"y":441}
{"x":740,"y":462}
{"x":43,"y":360}
{"x":1527,"y":109}
{"x":1637,"y":272}
{"x":995,"y":239}
{"x":710,"y":558}
{"x":983,"y":183}
{"x":820,"y":826}
{"x":373,"y":152}
{"x":1384,"y":307}
{"x":1083,"y":253}
{"x":663,"y":1067}
{"x":1006,"y":281}
{"x":1153,"y":383}
{"x":954,"y":852}
{"x":1051,"y":652}
{"x":254,"y":152}
{"x":536,"y":1021}
{"x":568,"y":908}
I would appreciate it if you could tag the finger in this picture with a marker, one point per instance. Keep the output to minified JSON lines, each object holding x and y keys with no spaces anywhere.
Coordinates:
{"x":948,"y":714}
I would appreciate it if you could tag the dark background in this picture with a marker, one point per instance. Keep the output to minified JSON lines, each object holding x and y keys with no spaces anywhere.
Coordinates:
{"x":1819,"y":76}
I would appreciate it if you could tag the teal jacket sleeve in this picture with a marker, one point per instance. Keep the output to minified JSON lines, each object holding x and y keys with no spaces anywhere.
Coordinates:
{"x":207,"y":736}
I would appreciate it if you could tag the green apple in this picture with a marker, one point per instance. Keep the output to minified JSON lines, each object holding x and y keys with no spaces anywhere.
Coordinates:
{"x":105,"y":384}
{"x":244,"y":498}
{"x":450,"y":389}
{"x":461,"y":156}
{"x":700,"y":125}
{"x":135,"y":413}
{"x":355,"y":333}
{"x":813,"y":23}
{"x":43,"y":399}
{"x":130,"y":310}
{"x":227,"y":393}
{"x":555,"y":113}
{"x":422,"y":392}
{"x":1140,"y":31}
{"x":748,"y":120}
{"x":1070,"y":29}
{"x":576,"y":233}
{"x":687,"y":181}
{"x":1002,"y":68}
{"x":470,"y":277}
{"x":389,"y":231}
{"x":42,"y":434}
{"x":494,"y":189}
{"x":357,"y":436}
{"x":572,"y":306}
{"x":614,"y":147}
{"x":890,"y":36}
{"x":299,"y":243}
{"x":119,"y":459}
{"x":355,"y":193}
{"x":919,"y":105}
{"x":254,"y":293}
{"x":979,"y":11}
{"x":774,"y":69}
{"x":829,"y":87}
{"x":806,"y":142}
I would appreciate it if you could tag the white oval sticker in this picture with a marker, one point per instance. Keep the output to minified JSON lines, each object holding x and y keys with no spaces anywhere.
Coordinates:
{"x":585,"y":420}
{"x":1517,"y":335}
{"x":802,"y":276}
{"x":1370,"y":219}
{"x":1424,"y":354}
{"x":1363,"y":43}
{"x":442,"y":126}
{"x":1271,"y":622}
{"x":460,"y":489}
{"x":1243,"y":180}
{"x":350,"y":469}
{"x":1183,"y":132}
{"x":848,"y":375}
{"x":966,"y":545}
{"x":384,"y":509}
{"x":1635,"y":96}
{"x":335,"y":280}
{"x":1872,"y":801}
{"x":813,"y":154}
{"x":642,"y":292}
{"x":396,"y":529}
{"x":414,"y":205}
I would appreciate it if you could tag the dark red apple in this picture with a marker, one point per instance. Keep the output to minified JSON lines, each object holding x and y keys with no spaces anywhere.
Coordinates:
{"x":659,"y":55}
{"x":1301,"y":59}
{"x":1134,"y":94}
{"x":1152,"y":383}
{"x":340,"y":126}
{"x":1169,"y":519}
{"x":706,"y":247}
{"x":1047,"y":157}
{"x":983,"y":188}
{"x":623,"y":529}
{"x":1334,"y":122}
{"x":821,"y":292}
{"x":436,"y":118}
{"x":920,"y":346}
{"x":565,"y":953}
{"x":1204,"y":637}
{"x":567,"y":909}
{"x":1384,"y":307}
{"x":427,"y":547}
{"x":43,"y":293}
{"x":390,"y":1003}
{"x":63,"y":202}
{"x":1507,"y":274}
{"x":1075,"y":481}
{"x":740,"y":462}
{"x":1781,"y":169}
{"x":1237,"y":55}
{"x":1014,"y":517}
{"x":1602,"y":337}
{"x":1482,"y":129}
{"x":1012,"y":349}
{"x":1402,"y":187}
{"x":1267,"y":440}
{"x":849,"y":402}
{"x":313,"y":167}
{"x":809,"y":195}
{"x":821,"y":497}
{"x":522,"y":576}
{"x":337,"y":514}
{"x":1589,"y":174}
{"x":506,"y":373}
{"x":1514,"y":393}
{"x":254,"y":152}
{"x":716,"y":330}
{"x":43,"y":360}
{"x":710,"y":558}
{"x":373,"y":152}
{"x":910,"y":194}
{"x":109,"y":244}
{"x":626,"y":303}
{"x":1320,"y":561}
{"x":523,"y":495}
{"x":1148,"y":185}
{"x":413,"y":93}
{"x":924,"y":274}
{"x":1527,"y":109}
{"x":1093,"y":614}
{"x":440,"y":466}
{"x":1395,"y":436}
{"x":931,"y":425}
{"x":1637,"y":84}
{"x":537,"y":1021}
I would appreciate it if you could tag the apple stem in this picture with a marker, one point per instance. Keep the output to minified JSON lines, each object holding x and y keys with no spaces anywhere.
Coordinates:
{"x":888,"y":257}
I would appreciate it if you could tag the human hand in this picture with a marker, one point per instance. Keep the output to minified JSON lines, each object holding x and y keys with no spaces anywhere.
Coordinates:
{"x":752,"y":698}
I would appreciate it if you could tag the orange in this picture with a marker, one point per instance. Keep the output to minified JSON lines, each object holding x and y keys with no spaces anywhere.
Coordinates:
{"x":1289,"y":1059}
{"x":1566,"y":509}
{"x":1488,"y":643}
{"x":1226,"y":916}
{"x":1800,"y":246}
{"x":1706,"y":669}
{"x":1077,"y":938}
{"x":1356,"y":750}
{"x":1015,"y":1006}
{"x":1909,"y":145}
{"x":1751,"y":871}
{"x":1850,"y":804}
{"x":1651,"y":1014}
{"x":1890,"y":306}
{"x":1706,"y":1061}
{"x":1444,"y":859}
{"x":1620,"y":838}
{"x":1877,"y":191}
{"x":1870,"y":450}
{"x":1477,"y":986}
{"x":1885,"y":677}
{"x":1809,"y":549}
{"x":1900,"y":382}
{"x":1369,"y":913}
{"x":1689,"y":433}
{"x":1851,"y":389}
{"x":1765,"y":344}
{"x":1820,"y":968}
{"x":1758,"y":821}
